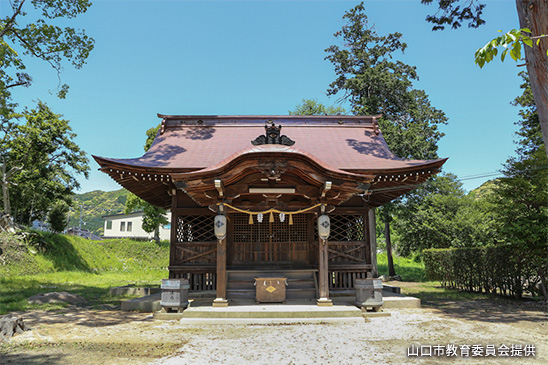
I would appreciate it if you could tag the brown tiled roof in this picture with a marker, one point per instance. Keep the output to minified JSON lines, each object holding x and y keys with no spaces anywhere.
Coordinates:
{"x":199,"y":148}
{"x":348,"y":143}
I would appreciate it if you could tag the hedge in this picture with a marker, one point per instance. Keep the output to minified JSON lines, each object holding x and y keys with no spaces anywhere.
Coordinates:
{"x":507,"y":270}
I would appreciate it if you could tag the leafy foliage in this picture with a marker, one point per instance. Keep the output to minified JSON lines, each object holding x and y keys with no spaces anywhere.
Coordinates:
{"x":511,"y":42}
{"x":153,"y":217}
{"x":440,"y":214}
{"x":454,"y":12}
{"x":41,"y":39}
{"x":521,"y":196}
{"x":43,"y":150}
{"x":504,"y":269}
{"x":375,"y":82}
{"x":313,"y":107}
{"x":57,"y":217}
{"x":151,"y":134}
{"x":366,"y":73}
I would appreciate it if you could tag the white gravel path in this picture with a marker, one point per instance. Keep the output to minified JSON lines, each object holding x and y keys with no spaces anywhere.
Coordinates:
{"x":379,"y":341}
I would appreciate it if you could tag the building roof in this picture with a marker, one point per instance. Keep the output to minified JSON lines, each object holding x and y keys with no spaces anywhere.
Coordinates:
{"x":200,"y":148}
{"x":349,"y":143}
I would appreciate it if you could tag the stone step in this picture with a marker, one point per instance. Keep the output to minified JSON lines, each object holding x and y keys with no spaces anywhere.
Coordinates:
{"x":292,"y":309}
{"x":291,"y":283}
{"x":252,"y":274}
{"x":309,"y":293}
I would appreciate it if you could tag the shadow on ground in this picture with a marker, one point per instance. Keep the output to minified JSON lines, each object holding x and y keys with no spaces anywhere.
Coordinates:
{"x":20,"y":358}
{"x":79,"y":317}
{"x":485,"y":310}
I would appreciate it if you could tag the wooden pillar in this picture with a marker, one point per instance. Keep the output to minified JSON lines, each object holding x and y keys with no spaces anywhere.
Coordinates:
{"x":221,"y":301}
{"x":367,"y":238}
{"x":372,"y":228}
{"x":173,"y":231}
{"x":323,"y":274}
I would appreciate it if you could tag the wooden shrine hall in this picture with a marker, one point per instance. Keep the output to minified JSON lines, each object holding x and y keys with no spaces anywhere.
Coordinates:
{"x":258,"y":195}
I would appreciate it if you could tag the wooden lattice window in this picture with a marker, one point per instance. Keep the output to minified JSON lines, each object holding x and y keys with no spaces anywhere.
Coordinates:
{"x":344,"y":228}
{"x":195,"y":228}
{"x":347,"y":240}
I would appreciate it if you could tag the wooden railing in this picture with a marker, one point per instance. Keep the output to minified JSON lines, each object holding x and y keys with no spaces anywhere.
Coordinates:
{"x":343,"y":278}
{"x":199,"y":278}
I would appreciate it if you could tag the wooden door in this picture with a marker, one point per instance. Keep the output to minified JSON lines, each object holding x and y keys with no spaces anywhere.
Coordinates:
{"x":269,"y":242}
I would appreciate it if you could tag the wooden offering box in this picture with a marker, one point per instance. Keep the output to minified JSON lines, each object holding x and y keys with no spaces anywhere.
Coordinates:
{"x":270,"y":290}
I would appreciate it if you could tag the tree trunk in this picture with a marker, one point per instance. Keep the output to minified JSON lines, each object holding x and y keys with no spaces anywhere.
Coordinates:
{"x":391,"y":270}
{"x":533,"y":14}
{"x":157,"y":234}
{"x":5,"y":190}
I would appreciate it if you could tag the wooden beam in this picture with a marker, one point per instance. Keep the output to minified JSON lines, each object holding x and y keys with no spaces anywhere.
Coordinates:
{"x":220,"y":188}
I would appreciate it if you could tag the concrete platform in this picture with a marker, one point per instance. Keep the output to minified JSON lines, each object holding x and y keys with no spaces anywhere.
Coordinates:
{"x":149,"y":303}
{"x":133,"y":290}
{"x":397,"y":301}
{"x":201,"y":307}
{"x":201,"y":312}
{"x":291,"y":309}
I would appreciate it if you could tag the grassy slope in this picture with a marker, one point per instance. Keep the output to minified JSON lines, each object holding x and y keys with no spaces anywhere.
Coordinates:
{"x":91,"y":268}
{"x":67,"y":263}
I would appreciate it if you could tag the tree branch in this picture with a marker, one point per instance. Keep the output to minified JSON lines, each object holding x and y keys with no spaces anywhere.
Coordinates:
{"x":35,"y":54}
{"x":10,"y":22}
{"x":17,"y":84}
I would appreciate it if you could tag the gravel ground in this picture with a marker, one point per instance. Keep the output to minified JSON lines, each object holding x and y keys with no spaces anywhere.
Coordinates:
{"x":380,"y":340}
{"x":83,"y":336}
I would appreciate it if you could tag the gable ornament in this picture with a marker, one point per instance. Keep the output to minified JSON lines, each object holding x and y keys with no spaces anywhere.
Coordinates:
{"x":273,"y":136}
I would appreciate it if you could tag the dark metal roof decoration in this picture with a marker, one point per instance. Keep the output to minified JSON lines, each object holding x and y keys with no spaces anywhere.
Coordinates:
{"x":273,"y":136}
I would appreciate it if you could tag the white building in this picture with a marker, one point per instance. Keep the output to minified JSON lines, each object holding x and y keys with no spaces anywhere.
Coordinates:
{"x":130,"y":226}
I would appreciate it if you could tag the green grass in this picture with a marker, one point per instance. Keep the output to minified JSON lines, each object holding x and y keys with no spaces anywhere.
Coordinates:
{"x":408,"y":269}
{"x":49,"y":262}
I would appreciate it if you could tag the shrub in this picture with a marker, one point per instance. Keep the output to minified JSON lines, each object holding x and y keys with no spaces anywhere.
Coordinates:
{"x":506,"y":269}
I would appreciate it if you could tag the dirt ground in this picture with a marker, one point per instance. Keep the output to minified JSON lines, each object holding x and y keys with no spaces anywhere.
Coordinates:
{"x":84,"y":336}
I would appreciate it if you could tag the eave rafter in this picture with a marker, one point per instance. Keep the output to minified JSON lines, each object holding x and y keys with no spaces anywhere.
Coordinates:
{"x":147,"y":185}
{"x":307,"y":180}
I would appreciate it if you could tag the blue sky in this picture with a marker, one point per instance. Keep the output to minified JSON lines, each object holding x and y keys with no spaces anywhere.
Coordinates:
{"x":264,"y":57}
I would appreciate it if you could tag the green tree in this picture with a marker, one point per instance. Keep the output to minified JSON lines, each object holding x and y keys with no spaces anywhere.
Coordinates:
{"x":57,"y":216}
{"x":153,"y":217}
{"x":41,"y":39}
{"x":440,"y":214}
{"x":521,"y":196}
{"x":42,"y":152}
{"x":151,"y":134}
{"x":533,"y":34}
{"x":313,"y":107}
{"x":373,"y":81}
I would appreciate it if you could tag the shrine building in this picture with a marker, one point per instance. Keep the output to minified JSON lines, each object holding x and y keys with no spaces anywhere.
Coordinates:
{"x":284,"y":195}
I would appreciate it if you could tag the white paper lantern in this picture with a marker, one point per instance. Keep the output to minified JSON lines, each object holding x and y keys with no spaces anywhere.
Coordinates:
{"x":220,"y":226}
{"x":324,"y":226}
